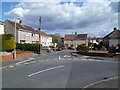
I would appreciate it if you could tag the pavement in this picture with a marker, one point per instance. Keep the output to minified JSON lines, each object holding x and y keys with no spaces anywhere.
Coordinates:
{"x":61,"y":69}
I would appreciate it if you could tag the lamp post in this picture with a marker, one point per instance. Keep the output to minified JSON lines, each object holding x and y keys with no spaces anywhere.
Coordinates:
{"x":15,"y":36}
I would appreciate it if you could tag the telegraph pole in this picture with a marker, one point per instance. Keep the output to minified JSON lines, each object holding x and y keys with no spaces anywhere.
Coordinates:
{"x":40,"y":29}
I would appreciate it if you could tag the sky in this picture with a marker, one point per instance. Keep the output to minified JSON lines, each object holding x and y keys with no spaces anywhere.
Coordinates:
{"x":93,"y":18}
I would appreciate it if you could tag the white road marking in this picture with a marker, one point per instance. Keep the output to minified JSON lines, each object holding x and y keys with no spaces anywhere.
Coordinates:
{"x":45,"y":70}
{"x":27,"y":63}
{"x":33,"y":61}
{"x":66,"y":56}
{"x":59,"y":57}
{"x":11,"y":66}
{"x":47,"y":60}
{"x":41,"y":60}
{"x":99,"y":82}
{"x":17,"y":64}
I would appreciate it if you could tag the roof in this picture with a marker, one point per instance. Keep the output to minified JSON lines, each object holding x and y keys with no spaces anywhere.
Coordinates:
{"x":44,"y":34}
{"x":75,"y":36}
{"x":27,"y":28}
{"x":21,"y":26}
{"x":95,"y":38}
{"x":114,"y":33}
{"x":1,"y":22}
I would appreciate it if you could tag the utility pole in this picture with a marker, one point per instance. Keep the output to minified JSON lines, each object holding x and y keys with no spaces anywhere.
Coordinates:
{"x":15,"y":37}
{"x":15,"y":40}
{"x":40,"y":29}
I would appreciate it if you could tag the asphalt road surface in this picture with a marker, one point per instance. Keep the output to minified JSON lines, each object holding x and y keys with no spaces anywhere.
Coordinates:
{"x":61,"y":70}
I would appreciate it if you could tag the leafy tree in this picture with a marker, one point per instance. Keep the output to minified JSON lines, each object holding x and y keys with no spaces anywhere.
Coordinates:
{"x":55,"y":38}
{"x":8,"y":42}
{"x":82,"y":48}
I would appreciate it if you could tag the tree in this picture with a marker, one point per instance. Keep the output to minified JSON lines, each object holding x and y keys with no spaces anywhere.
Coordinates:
{"x":82,"y":48}
{"x":55,"y":38}
{"x":8,"y":42}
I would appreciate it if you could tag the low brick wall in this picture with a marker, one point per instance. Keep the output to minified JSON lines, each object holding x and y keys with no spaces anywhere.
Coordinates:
{"x":18,"y":56}
{"x":22,"y":55}
{"x":6,"y":57}
{"x":97,"y":54}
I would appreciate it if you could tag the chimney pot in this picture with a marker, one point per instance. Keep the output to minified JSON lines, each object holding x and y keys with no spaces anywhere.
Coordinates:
{"x":115,"y":28}
{"x":20,"y":21}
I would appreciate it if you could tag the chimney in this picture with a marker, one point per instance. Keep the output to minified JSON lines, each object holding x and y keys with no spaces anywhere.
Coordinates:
{"x":115,"y":28}
{"x":75,"y":32}
{"x":20,"y":22}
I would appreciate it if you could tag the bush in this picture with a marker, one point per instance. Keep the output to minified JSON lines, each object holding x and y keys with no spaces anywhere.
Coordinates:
{"x":28,"y":47}
{"x":112,"y":49}
{"x":82,"y":48}
{"x":8,"y":42}
{"x":52,"y":47}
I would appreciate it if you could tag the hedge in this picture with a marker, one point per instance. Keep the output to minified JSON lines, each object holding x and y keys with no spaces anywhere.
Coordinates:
{"x":28,"y":47}
{"x":7,"y":42}
{"x":82,"y":48}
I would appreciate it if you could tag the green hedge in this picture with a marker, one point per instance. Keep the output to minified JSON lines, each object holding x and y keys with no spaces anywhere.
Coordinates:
{"x":7,"y":42}
{"x":82,"y":48}
{"x":28,"y":47}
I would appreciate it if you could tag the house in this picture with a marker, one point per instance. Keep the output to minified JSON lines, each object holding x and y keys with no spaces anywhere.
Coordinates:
{"x":112,"y":39}
{"x":73,"y":40}
{"x":46,"y":39}
{"x":95,"y":40}
{"x":61,"y":42}
{"x":26,"y":34}
{"x":1,"y":27}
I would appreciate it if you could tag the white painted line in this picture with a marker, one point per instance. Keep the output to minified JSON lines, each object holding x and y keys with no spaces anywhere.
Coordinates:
{"x":59,"y":57}
{"x":99,"y":82}
{"x":17,"y":64}
{"x":33,"y":61}
{"x":27,"y":63}
{"x":45,"y":70}
{"x":11,"y":66}
{"x":47,"y":60}
{"x":66,"y":56}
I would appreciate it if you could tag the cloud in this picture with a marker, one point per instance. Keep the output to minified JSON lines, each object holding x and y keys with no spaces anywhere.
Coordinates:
{"x":90,"y":17}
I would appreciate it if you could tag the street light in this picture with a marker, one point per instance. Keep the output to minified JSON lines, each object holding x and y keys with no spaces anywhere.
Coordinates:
{"x":15,"y":36}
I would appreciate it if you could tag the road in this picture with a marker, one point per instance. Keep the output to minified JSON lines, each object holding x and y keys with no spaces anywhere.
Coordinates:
{"x":60,"y":70}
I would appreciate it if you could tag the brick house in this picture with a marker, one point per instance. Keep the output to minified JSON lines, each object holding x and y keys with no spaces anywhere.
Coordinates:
{"x":26,"y":34}
{"x":73,"y":40}
{"x":112,"y":39}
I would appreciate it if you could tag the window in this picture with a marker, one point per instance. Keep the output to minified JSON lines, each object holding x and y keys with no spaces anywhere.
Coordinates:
{"x":22,"y":41}
{"x":33,"y":35}
{"x":27,"y":34}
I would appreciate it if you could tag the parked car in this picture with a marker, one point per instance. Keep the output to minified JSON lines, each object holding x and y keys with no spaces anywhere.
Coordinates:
{"x":70,"y":48}
{"x":58,"y":49}
{"x":47,"y":48}
{"x":64,"y":48}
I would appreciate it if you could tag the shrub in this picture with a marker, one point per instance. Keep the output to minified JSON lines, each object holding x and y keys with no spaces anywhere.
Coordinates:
{"x":52,"y":47}
{"x":28,"y":47}
{"x":8,"y":42}
{"x":82,"y":48}
{"x":112,"y":49}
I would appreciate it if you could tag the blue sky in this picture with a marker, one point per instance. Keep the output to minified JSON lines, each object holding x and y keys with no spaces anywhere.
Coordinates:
{"x":65,"y":17}
{"x":7,"y":6}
